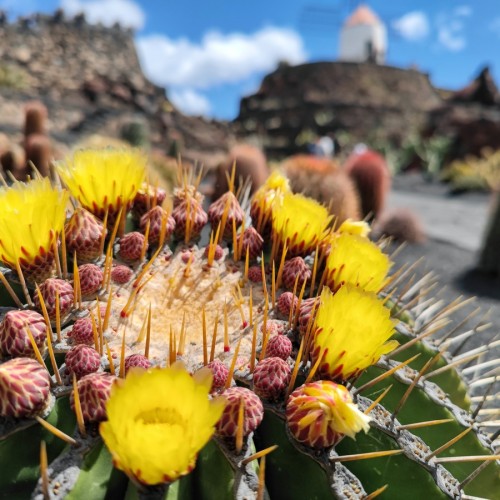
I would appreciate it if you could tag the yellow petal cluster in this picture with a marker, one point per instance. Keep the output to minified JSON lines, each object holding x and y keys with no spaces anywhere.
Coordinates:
{"x":104,"y":178}
{"x":31,"y":217}
{"x":276,"y":182}
{"x":358,"y":227}
{"x":299,"y":222}
{"x":262,"y":201}
{"x":356,"y":260}
{"x":158,"y":421}
{"x":321,"y":412}
{"x":352,"y":329}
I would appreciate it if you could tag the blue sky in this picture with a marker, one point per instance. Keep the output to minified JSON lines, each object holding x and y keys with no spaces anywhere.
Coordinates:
{"x":210,"y":53}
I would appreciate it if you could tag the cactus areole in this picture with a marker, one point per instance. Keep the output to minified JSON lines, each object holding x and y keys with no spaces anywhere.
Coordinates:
{"x":256,"y":350}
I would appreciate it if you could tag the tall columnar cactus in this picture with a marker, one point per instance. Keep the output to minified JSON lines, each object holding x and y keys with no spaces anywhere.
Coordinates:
{"x":8,"y":162}
{"x":190,"y":378}
{"x":39,"y":153}
{"x":13,"y":163}
{"x":370,"y":173}
{"x":35,"y":119}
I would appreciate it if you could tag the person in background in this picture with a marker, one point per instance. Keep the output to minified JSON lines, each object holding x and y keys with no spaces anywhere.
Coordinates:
{"x":324,"y":147}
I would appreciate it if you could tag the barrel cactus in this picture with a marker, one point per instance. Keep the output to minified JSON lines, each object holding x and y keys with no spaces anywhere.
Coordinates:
{"x":370,"y":172}
{"x":217,"y":363}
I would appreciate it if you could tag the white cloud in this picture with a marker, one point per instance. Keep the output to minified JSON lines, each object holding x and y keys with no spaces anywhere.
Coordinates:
{"x":463,"y":11}
{"x":450,"y":40}
{"x":413,"y":26}
{"x":190,"y":102}
{"x":495,"y":25}
{"x":108,"y":12}
{"x":218,"y":58}
{"x":450,"y":30}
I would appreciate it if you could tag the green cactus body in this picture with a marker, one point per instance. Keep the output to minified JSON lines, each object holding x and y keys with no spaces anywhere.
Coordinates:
{"x":288,"y":436}
{"x":19,"y":451}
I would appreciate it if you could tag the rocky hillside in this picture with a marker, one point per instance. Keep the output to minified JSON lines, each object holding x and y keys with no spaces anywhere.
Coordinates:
{"x":90,"y":79}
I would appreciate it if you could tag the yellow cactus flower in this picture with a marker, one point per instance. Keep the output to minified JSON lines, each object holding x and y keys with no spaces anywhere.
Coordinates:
{"x":299,"y":222}
{"x":104,"y":178}
{"x":318,"y":414}
{"x":352,"y":329}
{"x":31,"y":217}
{"x":358,"y":261}
{"x":276,"y":182}
{"x":262,"y":202}
{"x":358,"y":227}
{"x":158,"y":421}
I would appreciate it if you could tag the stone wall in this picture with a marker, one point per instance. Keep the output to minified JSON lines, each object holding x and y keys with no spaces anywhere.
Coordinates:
{"x":298,"y":102}
{"x":56,"y":55}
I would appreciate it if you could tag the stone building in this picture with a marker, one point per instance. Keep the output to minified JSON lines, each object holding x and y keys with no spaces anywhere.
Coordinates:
{"x":363,"y":37}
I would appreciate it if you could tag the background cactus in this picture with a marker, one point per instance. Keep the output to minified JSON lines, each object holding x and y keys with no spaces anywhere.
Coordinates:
{"x":39,"y":153}
{"x":401,"y":224}
{"x":13,"y":162}
{"x":322,"y":179}
{"x":35,"y":119}
{"x":136,"y":132}
{"x":370,"y":173}
{"x":250,"y":163}
{"x":306,"y":173}
{"x":8,"y":162}
{"x":415,"y":404}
